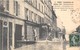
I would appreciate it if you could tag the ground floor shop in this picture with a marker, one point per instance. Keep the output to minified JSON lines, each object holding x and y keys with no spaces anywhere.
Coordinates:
{"x":11,"y":30}
{"x":14,"y":32}
{"x":5,"y":33}
{"x":32,"y":31}
{"x":44,"y":32}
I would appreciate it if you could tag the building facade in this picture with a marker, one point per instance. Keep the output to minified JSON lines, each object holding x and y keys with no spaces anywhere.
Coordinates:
{"x":11,"y":23}
{"x":23,"y":21}
{"x":35,"y":15}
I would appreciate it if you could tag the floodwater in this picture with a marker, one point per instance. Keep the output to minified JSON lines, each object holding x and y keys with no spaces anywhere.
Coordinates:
{"x":43,"y":46}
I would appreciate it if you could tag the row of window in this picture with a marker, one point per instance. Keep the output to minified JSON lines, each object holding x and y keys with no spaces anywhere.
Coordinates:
{"x":48,"y":8}
{"x":7,"y":6}
{"x":48,"y":11}
{"x":35,"y":4}
{"x":48,"y":3}
{"x":31,"y":16}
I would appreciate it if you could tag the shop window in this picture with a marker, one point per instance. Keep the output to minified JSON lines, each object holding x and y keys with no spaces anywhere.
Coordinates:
{"x":30,"y":35}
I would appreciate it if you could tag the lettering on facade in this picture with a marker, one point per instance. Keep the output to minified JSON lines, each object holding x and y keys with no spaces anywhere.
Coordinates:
{"x":63,"y":5}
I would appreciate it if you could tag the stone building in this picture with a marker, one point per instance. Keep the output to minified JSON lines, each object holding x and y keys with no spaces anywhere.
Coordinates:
{"x":50,"y":23}
{"x":11,"y":23}
{"x":24,"y":21}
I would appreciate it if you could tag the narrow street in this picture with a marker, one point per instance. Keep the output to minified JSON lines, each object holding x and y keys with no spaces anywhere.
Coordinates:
{"x":39,"y":25}
{"x":43,"y":45}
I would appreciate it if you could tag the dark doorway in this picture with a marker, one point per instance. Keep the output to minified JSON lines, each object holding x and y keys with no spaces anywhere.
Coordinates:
{"x":0,"y":34}
{"x":4,"y":36}
{"x":5,"y":29}
{"x":10,"y":35}
{"x":18,"y":35}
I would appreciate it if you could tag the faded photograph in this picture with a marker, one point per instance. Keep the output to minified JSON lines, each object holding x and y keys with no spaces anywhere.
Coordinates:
{"x":39,"y":25}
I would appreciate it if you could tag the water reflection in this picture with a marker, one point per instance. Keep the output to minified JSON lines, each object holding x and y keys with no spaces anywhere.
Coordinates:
{"x":42,"y":46}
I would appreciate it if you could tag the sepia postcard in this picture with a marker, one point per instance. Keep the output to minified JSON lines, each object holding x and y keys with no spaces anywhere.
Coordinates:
{"x":39,"y":25}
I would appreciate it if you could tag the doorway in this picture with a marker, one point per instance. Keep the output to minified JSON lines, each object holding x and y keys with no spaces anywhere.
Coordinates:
{"x":1,"y":34}
{"x":5,"y":36}
{"x":18,"y":35}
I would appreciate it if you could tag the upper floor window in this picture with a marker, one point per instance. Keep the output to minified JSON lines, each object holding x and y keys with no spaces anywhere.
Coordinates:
{"x":42,"y":20}
{"x":29,"y":15}
{"x":1,"y":6}
{"x":32,"y":16}
{"x":35,"y":3}
{"x":7,"y":5}
{"x":35,"y":17}
{"x":26,"y":13}
{"x":39,"y":18}
{"x":42,"y":8}
{"x":39,"y":6}
{"x":17,"y":8}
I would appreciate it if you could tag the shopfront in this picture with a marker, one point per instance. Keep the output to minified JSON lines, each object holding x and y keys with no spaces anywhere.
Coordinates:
{"x":18,"y":35}
{"x":5,"y":35}
{"x":32,"y":31}
{"x":6,"y":26}
{"x":44,"y":31}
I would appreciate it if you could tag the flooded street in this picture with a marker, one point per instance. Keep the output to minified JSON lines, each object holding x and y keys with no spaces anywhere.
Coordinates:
{"x":43,"y":46}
